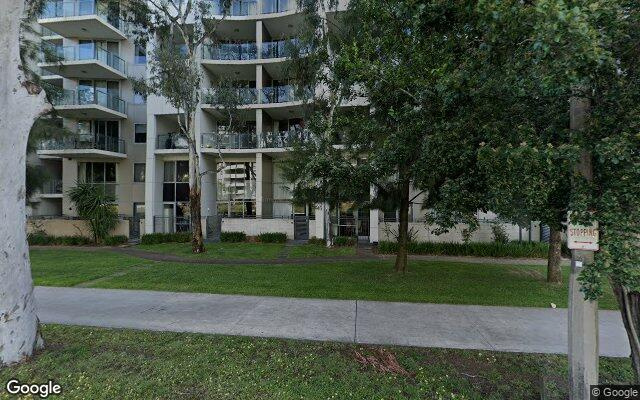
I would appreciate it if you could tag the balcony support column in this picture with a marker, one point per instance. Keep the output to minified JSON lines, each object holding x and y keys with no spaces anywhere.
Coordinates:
{"x":259,"y":39}
{"x":374,"y":219}
{"x":264,"y":186}
{"x":69,"y":179}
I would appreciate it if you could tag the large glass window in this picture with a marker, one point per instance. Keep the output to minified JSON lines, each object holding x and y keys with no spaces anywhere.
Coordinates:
{"x":140,"y":56}
{"x":98,"y":173}
{"x":236,"y":190}
{"x":176,"y":181}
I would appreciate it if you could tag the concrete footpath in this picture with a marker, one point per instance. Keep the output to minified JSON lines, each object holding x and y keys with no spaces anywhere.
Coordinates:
{"x":532,"y":330}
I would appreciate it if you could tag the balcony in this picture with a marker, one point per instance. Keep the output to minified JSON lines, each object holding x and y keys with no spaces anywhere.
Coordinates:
{"x":89,"y":104}
{"x":230,"y":51}
{"x":86,"y":19}
{"x":84,"y":145}
{"x":281,"y":94}
{"x":242,"y":96}
{"x":172,"y":141}
{"x":85,"y":61}
{"x":281,"y":48}
{"x":242,"y":8}
{"x":250,"y":141}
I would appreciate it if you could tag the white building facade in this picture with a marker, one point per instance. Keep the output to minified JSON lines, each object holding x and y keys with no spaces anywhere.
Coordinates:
{"x":131,"y":146}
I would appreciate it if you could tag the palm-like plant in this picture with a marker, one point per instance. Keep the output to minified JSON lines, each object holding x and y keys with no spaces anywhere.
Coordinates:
{"x":96,"y":207}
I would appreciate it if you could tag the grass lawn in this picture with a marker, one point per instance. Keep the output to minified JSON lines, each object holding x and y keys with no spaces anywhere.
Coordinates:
{"x":93,"y":363}
{"x":316,"y":250}
{"x":229,"y":251}
{"x":426,"y":281}
{"x":66,"y":267}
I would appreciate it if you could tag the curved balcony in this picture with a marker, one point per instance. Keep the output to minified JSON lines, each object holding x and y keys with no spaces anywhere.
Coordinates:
{"x":89,"y":104}
{"x":87,"y":19}
{"x":84,"y":145}
{"x":244,"y":8}
{"x":230,"y":51}
{"x":242,"y":96}
{"x":84,"y":61}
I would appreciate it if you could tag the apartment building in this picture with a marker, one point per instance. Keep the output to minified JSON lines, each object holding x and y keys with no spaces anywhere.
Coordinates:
{"x":133,"y":148}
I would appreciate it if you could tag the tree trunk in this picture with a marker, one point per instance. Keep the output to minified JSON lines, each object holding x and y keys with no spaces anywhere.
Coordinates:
{"x":195,"y":185}
{"x":554,"y":273}
{"x":21,"y":102}
{"x":629,"y":304}
{"x":403,"y":228}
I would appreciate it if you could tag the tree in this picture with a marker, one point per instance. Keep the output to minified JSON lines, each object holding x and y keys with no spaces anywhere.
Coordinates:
{"x":412,"y":64}
{"x":22,"y":101}
{"x":178,"y":30}
{"x":96,"y":207}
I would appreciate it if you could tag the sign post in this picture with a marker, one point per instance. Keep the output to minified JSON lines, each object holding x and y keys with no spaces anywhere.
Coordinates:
{"x":583,"y":314}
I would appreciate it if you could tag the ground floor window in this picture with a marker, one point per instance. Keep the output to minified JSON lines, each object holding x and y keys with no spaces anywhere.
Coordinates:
{"x":236,"y":190}
{"x":99,"y":173}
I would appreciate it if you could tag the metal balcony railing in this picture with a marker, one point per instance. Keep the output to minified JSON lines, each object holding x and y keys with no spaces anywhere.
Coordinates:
{"x":78,"y":8}
{"x":171,"y":141}
{"x":52,"y":186}
{"x":83,"y":52}
{"x":230,"y":51}
{"x":84,"y":97}
{"x":283,"y":139}
{"x":85,"y":141}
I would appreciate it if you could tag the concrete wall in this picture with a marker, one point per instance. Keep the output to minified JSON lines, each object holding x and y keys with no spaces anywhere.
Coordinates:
{"x":483,"y":234}
{"x":70,"y":227}
{"x":254,"y":227}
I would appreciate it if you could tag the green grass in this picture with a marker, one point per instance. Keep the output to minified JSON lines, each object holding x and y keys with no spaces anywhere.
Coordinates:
{"x":426,"y":281}
{"x":227,"y":251}
{"x":93,"y":363}
{"x":68,"y":267}
{"x":477,"y":249}
{"x":315,"y":250}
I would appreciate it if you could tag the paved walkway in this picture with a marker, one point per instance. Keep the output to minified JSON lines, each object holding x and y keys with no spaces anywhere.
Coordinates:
{"x":534,"y":330}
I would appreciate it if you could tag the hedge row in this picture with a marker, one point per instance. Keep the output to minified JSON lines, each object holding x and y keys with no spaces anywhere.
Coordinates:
{"x":477,"y":249}
{"x":272,"y":237}
{"x":341,"y":241}
{"x":156,"y":238}
{"x":233,"y":237}
{"x":42,"y":239}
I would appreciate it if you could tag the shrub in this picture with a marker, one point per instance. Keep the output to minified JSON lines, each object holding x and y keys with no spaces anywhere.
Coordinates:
{"x":272,"y":237}
{"x":115,"y":240}
{"x":233,"y":237}
{"x":42,"y":239}
{"x":156,"y":238}
{"x":317,"y":241}
{"x":477,"y":249}
{"x":499,"y":234}
{"x":96,"y":207}
{"x":344,"y":241}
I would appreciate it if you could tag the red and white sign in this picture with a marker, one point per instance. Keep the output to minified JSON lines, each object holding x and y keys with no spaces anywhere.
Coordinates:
{"x":582,"y":237}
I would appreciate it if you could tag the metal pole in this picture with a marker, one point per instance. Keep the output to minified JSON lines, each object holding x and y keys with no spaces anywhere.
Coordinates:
{"x":583,"y":314}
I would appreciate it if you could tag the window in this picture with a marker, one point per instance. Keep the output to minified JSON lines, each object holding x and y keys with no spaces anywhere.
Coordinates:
{"x":138,"y":98}
{"x":98,"y":173}
{"x":140,"y":56}
{"x":176,"y":181}
{"x":140,"y":135}
{"x":139,"y":170}
{"x":236,"y":184}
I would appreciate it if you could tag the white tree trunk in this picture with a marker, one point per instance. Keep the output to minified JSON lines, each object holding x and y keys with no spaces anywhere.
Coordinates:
{"x":20,"y":104}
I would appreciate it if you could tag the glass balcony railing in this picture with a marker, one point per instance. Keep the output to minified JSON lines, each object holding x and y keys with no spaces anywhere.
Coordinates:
{"x":234,"y":96}
{"x":230,"y":51}
{"x":240,"y":8}
{"x":250,"y":140}
{"x":85,"y":141}
{"x":171,"y":141}
{"x":77,"y":8}
{"x":281,"y":94}
{"x":52,"y":186}
{"x":220,"y":140}
{"x":277,"y":6}
{"x":84,"y":97}
{"x":83,"y":52}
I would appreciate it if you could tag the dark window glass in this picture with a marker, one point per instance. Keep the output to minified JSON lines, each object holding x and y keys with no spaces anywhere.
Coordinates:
{"x":169,"y":171}
{"x":182,"y":192}
{"x":98,"y":172}
{"x":182,"y":171}
{"x":168,"y":193}
{"x":139,"y":170}
{"x":140,"y":133}
{"x":140,"y":54}
{"x":110,"y":169}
